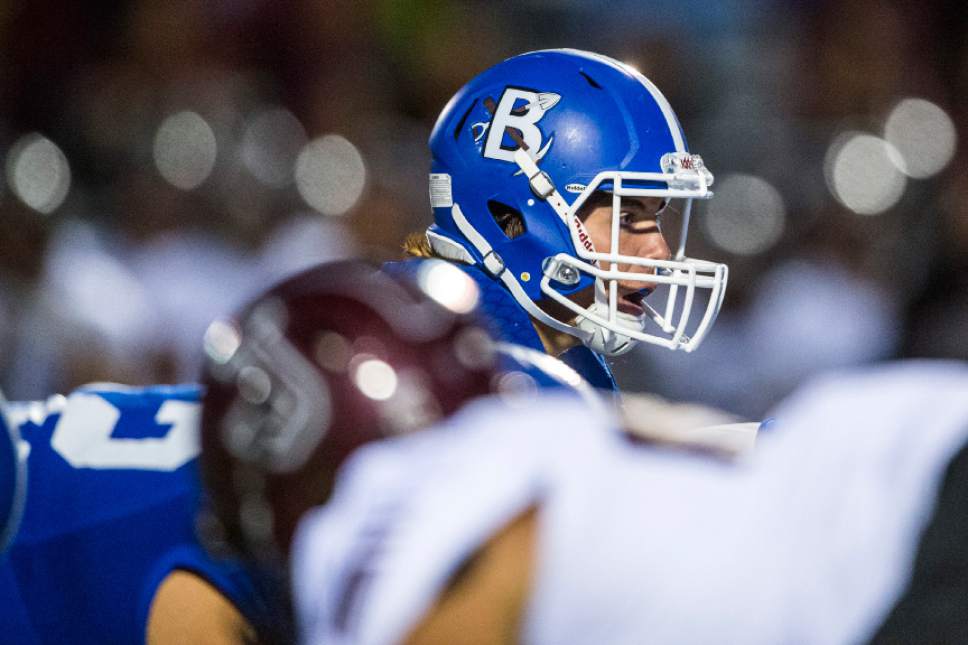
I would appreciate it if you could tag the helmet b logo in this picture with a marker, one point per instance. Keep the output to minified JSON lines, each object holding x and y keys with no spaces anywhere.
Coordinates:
{"x":519,"y":110}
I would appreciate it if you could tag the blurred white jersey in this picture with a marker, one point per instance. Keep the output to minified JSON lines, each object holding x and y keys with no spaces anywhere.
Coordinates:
{"x":810,"y":542}
{"x":406,"y":513}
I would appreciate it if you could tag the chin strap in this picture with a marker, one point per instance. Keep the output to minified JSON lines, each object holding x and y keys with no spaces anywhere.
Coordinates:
{"x":541,"y":183}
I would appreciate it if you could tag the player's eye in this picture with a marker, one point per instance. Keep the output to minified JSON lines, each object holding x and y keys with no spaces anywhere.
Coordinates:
{"x":632,"y":216}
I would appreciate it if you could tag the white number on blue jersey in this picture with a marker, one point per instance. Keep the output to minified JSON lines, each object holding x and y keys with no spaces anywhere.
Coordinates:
{"x":83,"y":436}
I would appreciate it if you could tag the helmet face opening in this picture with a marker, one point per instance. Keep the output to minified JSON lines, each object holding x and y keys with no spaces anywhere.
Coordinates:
{"x":542,"y":133}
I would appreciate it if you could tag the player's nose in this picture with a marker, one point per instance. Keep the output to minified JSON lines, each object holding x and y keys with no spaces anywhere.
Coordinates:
{"x":651,"y":246}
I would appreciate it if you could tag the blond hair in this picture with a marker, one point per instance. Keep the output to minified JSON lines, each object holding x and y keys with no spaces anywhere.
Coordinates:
{"x":416,"y":245}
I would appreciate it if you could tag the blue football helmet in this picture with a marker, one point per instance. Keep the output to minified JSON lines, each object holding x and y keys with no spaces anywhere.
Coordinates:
{"x":540,"y":133}
{"x":13,"y":477}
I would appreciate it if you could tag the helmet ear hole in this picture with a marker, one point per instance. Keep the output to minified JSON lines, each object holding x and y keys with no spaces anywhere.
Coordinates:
{"x":509,"y":219}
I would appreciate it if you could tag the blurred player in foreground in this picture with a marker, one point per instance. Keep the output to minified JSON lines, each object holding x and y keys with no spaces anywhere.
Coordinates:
{"x":531,"y":519}
{"x":326,"y":361}
{"x":536,"y":525}
{"x":106,"y":551}
{"x":556,"y":178}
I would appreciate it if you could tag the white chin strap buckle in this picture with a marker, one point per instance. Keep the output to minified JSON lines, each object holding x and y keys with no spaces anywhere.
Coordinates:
{"x":541,"y":183}
{"x":604,"y":341}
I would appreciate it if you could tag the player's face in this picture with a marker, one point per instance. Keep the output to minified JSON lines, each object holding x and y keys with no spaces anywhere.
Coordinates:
{"x":639,"y":236}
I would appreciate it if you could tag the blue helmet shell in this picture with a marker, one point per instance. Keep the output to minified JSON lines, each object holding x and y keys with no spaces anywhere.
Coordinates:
{"x":599,"y":115}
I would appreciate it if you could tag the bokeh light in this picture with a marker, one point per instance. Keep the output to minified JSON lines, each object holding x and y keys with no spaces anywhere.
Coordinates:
{"x":255,"y":385}
{"x":747,"y":216}
{"x":864,"y":173}
{"x":474,"y":348}
{"x":515,"y":386}
{"x":270,"y":144}
{"x":221,"y":341}
{"x":375,"y":379}
{"x":333,"y":351}
{"x":448,"y":286}
{"x":330,"y":174}
{"x":923,"y":134}
{"x":38,"y":173}
{"x":185,"y":150}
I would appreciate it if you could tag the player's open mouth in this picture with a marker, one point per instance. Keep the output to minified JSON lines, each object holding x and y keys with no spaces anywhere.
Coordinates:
{"x":631,"y":303}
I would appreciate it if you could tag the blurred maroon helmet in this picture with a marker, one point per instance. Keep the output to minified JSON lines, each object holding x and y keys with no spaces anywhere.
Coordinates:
{"x":322,"y":363}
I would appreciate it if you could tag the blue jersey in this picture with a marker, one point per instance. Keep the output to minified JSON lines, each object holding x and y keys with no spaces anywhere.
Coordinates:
{"x":112,"y":495}
{"x":509,"y":323}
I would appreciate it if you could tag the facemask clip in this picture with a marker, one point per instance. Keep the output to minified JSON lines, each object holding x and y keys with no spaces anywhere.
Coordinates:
{"x":560,"y":272}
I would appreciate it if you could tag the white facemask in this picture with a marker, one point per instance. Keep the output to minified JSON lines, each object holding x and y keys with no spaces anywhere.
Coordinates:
{"x":602,"y":326}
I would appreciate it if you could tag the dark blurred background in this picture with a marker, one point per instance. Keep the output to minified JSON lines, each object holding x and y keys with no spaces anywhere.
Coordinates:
{"x":163,"y":160}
